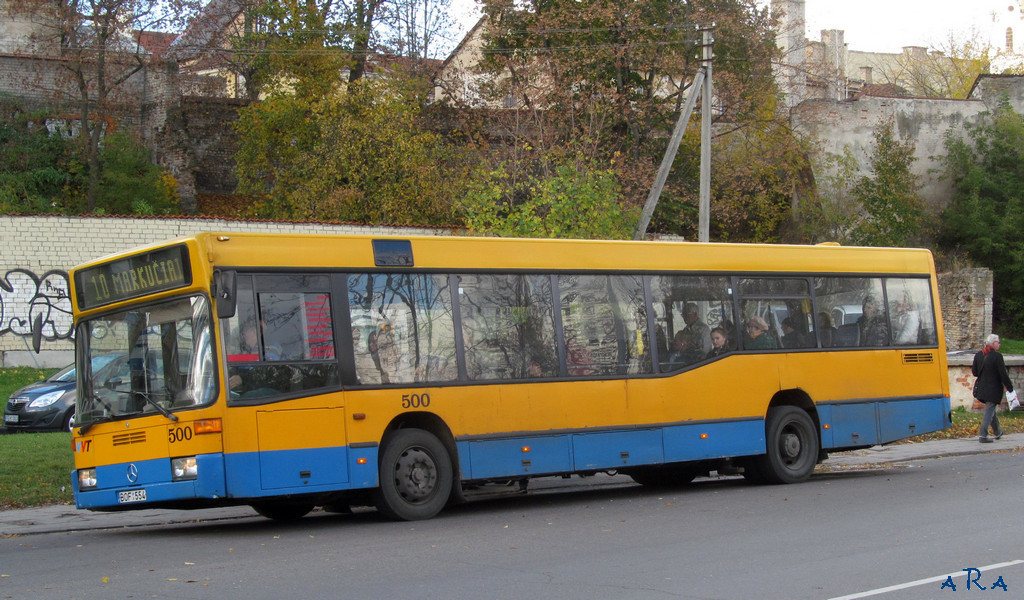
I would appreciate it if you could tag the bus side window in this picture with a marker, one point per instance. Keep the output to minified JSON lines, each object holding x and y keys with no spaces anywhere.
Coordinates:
{"x":911,"y":315}
{"x":857,"y":310}
{"x":409,"y":327}
{"x":604,"y":320}
{"x":280,"y":342}
{"x":687,"y":310}
{"x":508,"y":327}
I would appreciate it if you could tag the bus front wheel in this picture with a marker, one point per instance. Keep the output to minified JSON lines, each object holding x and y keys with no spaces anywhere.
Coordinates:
{"x":792,"y":447}
{"x":415,"y":476}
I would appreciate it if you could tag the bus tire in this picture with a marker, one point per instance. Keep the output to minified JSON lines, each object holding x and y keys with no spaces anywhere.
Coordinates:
{"x":282,"y":510}
{"x":792,"y":447}
{"x":415,"y":476}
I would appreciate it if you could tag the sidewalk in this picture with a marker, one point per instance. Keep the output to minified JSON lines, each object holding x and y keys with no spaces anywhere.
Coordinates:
{"x":60,"y":518}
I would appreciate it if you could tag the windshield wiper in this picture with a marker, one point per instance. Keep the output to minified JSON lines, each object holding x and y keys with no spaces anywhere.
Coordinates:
{"x":160,"y":409}
{"x":96,"y":398}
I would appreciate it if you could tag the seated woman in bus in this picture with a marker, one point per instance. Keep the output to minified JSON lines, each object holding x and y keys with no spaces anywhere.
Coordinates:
{"x":719,"y":342}
{"x":906,"y":322}
{"x":826,"y":330}
{"x":758,"y":337}
{"x":874,"y":331}
{"x":791,"y":338}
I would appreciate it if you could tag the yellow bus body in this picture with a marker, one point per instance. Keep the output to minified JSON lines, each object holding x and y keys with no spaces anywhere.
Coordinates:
{"x":259,"y":452}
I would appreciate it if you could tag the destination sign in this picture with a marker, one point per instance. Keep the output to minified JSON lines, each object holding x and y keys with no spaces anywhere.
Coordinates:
{"x":132,"y":277}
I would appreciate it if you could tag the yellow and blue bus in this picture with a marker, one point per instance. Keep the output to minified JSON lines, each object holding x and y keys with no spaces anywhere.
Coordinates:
{"x":287,"y":372}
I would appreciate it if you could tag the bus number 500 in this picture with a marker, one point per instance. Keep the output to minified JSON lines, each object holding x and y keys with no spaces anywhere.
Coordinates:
{"x":415,"y":400}
{"x":179,"y":434}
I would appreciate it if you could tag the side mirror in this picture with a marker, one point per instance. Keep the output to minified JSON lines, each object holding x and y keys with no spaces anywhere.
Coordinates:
{"x":224,"y":292}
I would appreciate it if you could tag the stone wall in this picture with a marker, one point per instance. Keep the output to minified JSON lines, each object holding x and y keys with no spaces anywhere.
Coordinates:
{"x":39,"y":251}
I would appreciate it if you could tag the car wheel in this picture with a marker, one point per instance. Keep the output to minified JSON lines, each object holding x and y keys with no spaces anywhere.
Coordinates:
{"x":69,"y":421}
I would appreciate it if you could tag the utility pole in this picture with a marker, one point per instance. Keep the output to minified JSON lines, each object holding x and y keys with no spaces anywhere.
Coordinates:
{"x":701,"y":82}
{"x":704,"y":214}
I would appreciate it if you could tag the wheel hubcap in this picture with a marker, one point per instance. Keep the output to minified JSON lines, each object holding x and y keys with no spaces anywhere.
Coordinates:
{"x":415,"y":475}
{"x":790,"y":446}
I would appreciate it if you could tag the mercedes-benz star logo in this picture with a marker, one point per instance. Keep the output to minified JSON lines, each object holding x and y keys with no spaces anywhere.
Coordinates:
{"x":133,"y":473}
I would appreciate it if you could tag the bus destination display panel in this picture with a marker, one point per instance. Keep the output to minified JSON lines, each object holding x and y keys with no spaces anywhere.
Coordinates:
{"x":132,"y":277}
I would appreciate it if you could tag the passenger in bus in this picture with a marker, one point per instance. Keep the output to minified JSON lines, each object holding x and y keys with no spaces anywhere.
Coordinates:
{"x":719,"y":343}
{"x":874,"y":331}
{"x":730,"y":333}
{"x":826,"y":330}
{"x":758,"y":337}
{"x":906,"y":322}
{"x":698,"y":334}
{"x":791,"y":338}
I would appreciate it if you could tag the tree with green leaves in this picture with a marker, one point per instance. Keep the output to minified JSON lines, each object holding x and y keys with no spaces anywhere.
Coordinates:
{"x":985,"y":219}
{"x":587,"y":82}
{"x":893,"y":214}
{"x":44,"y":171}
{"x":571,"y":203}
{"x":829,"y":214}
{"x":359,"y":153}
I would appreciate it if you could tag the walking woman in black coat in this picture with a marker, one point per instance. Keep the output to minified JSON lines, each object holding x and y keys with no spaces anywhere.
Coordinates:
{"x":990,"y":370}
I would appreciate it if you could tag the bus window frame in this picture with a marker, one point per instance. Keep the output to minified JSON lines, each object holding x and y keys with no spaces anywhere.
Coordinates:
{"x":258,"y":280}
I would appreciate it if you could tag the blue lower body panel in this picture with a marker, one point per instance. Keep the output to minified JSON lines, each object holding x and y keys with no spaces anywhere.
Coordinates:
{"x":846,"y":425}
{"x":223,"y":476}
{"x":608,"y":450}
{"x":154,"y":477}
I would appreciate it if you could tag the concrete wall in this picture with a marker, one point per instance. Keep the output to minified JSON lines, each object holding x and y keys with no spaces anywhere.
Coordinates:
{"x":831,"y":127}
{"x":38,"y":252}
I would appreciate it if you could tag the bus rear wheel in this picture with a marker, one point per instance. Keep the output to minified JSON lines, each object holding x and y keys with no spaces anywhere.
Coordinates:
{"x":416,"y":476}
{"x":792,"y":447}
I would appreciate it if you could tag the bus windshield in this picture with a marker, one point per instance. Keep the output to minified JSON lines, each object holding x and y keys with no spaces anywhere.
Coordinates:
{"x":159,"y":360}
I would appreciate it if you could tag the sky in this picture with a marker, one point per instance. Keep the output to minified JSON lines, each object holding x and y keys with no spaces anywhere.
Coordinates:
{"x":870,"y":25}
{"x":889,"y":25}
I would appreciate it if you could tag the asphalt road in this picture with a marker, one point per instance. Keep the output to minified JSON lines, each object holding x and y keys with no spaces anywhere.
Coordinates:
{"x":856,"y":530}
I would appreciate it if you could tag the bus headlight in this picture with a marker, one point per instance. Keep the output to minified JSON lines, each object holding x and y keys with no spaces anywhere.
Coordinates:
{"x":184,"y":468}
{"x":86,"y":479}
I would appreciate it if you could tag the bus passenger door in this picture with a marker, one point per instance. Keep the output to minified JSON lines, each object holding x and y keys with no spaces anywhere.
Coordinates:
{"x":302,"y":449}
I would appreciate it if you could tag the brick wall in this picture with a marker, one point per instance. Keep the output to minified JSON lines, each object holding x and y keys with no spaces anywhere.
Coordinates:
{"x":966,"y":298}
{"x":38,"y":252}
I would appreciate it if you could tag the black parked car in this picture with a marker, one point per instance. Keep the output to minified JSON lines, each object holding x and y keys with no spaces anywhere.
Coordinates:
{"x":47,"y":404}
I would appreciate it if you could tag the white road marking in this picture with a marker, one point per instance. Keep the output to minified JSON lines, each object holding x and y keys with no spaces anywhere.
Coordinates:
{"x":910,"y":584}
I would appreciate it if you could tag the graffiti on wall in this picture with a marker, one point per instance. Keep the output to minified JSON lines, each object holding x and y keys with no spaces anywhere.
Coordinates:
{"x":36,"y":307}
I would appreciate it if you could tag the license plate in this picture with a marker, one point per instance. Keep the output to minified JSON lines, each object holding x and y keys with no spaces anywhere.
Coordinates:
{"x":131,"y":496}
{"x":10,"y":418}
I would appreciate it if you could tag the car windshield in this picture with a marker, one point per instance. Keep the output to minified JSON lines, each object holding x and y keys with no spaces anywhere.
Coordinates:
{"x":152,"y":359}
{"x":68,"y":374}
